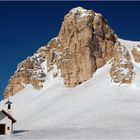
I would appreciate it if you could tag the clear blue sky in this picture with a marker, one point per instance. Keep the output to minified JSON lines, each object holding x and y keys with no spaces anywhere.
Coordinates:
{"x":25,"y":26}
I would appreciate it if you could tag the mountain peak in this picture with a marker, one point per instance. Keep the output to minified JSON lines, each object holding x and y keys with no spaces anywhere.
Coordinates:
{"x":84,"y":44}
{"x":79,"y":10}
{"x":80,"y":13}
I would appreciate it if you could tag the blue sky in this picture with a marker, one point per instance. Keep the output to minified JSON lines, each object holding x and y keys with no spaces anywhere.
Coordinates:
{"x":25,"y":26}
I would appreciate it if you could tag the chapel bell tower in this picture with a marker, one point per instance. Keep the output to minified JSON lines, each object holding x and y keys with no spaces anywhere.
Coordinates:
{"x":8,"y":104}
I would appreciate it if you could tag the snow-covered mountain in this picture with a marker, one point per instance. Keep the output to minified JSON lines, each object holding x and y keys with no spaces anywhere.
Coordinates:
{"x":84,"y":84}
{"x":84,"y":44}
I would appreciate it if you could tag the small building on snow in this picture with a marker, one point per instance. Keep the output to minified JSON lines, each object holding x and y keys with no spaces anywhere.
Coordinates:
{"x":6,"y":120}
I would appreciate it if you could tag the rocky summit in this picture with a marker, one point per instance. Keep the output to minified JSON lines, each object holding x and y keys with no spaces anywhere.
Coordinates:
{"x":84,"y":44}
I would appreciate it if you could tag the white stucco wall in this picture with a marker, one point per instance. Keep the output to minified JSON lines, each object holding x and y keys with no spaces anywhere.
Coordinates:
{"x":8,"y":123}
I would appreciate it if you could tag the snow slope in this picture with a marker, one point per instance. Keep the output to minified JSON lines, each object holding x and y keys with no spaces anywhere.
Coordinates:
{"x":95,"y":109}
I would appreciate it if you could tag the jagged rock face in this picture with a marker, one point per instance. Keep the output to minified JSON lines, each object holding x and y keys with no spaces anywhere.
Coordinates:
{"x":76,"y":38}
{"x":136,"y":53}
{"x":122,"y":68}
{"x":103,"y":41}
{"x":87,"y":42}
{"x":84,"y":44}
{"x":30,"y":71}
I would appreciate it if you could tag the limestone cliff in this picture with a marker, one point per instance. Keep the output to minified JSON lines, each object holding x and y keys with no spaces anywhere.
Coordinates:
{"x":87,"y":41}
{"x":136,"y":53}
{"x":122,"y":67}
{"x":30,"y":71}
{"x":84,"y":44}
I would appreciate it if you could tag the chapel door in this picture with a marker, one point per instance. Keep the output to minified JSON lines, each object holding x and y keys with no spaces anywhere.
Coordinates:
{"x":2,"y":129}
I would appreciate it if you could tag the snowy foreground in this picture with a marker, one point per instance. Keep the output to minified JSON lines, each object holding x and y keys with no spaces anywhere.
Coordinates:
{"x":97,"y":109}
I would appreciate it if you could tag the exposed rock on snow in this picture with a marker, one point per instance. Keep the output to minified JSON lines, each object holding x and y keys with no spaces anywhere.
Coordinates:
{"x":136,"y":53}
{"x":30,"y":71}
{"x":122,"y":67}
{"x":85,"y":51}
{"x":84,"y":44}
{"x":87,"y":44}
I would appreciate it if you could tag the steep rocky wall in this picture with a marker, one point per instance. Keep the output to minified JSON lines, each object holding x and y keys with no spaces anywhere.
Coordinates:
{"x":84,"y":44}
{"x":136,"y":53}
{"x":122,"y":67}
{"x":87,"y":41}
{"x":30,"y":71}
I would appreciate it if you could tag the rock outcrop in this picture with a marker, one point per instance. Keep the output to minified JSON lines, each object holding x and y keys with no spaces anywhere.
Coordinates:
{"x":136,"y":53}
{"x":122,"y":67}
{"x":30,"y":71}
{"x":87,"y":41}
{"x":84,"y":44}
